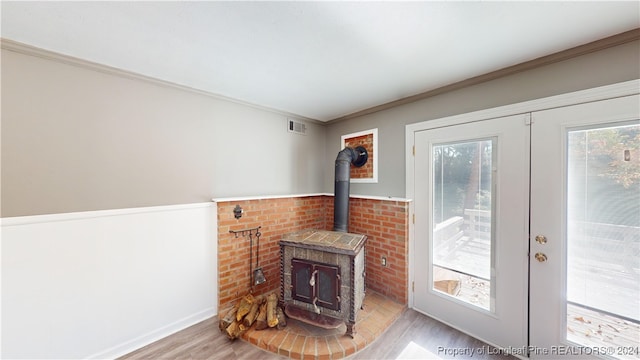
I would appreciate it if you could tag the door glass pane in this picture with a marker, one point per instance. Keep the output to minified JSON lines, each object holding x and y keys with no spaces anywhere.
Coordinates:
{"x":328,"y":287}
{"x":603,"y":237}
{"x":462,"y":193}
{"x":301,"y":273}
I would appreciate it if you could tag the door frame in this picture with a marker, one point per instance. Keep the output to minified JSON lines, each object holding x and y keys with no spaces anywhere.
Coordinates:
{"x":595,"y":94}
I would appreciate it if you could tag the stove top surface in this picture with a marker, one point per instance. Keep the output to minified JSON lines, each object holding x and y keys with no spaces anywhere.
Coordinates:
{"x":328,"y":240}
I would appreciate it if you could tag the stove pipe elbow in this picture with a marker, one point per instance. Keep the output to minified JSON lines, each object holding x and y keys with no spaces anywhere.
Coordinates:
{"x":358,"y":157}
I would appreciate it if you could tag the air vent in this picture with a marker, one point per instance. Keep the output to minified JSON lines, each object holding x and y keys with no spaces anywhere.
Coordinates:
{"x":296,"y":127}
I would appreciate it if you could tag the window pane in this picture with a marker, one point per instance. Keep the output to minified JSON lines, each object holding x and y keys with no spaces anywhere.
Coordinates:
{"x":302,"y":276}
{"x":603,"y":235}
{"x":462,"y":220}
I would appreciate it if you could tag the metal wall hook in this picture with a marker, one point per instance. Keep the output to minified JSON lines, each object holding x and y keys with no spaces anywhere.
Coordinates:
{"x":244,"y":232}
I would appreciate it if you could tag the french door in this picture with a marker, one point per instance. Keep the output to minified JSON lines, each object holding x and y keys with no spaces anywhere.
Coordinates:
{"x":527,"y":229}
{"x":471,"y":224}
{"x":585,"y":230}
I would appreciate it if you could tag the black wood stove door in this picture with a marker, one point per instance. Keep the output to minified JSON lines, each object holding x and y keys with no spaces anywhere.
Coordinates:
{"x":328,"y":286}
{"x":315,"y":283}
{"x":302,"y":288}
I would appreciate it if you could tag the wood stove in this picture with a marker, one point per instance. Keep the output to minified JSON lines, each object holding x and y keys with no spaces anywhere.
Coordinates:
{"x":322,"y":277}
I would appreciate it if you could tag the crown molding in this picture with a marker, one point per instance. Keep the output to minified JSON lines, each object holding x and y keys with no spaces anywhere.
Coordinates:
{"x":615,"y":40}
{"x":25,"y":49}
{"x":598,"y":45}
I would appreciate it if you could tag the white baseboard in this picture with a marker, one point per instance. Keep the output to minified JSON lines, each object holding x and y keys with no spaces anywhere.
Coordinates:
{"x":153,"y":336}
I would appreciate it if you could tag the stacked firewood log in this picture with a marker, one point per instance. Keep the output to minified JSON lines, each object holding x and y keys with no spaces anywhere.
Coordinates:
{"x":261,"y":310}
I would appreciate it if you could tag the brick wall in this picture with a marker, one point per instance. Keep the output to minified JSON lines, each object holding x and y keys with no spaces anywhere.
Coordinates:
{"x":366,"y":141}
{"x":385,"y":223}
{"x":277,"y":217}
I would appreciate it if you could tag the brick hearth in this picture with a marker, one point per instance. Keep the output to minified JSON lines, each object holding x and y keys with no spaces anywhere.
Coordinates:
{"x":302,"y":341}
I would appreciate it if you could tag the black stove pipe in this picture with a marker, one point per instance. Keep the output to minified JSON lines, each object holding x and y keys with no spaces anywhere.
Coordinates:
{"x":347,"y":156}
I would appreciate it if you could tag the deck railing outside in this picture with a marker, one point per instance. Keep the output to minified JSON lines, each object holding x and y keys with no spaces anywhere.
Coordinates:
{"x":603,"y":267}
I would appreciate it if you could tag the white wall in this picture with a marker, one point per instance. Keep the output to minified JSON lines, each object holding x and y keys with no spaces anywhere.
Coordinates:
{"x":102,"y":283}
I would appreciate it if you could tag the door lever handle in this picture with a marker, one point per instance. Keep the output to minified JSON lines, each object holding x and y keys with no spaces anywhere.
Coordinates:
{"x":540,"y":257}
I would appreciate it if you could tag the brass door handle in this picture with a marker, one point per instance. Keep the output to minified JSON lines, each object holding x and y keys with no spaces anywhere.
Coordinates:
{"x":540,"y":257}
{"x":541,"y":239}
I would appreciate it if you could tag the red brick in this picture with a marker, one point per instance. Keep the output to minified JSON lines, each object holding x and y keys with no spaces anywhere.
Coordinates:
{"x":384,"y":222}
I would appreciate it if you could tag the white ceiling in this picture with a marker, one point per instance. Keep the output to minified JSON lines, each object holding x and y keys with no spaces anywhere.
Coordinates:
{"x":319,"y":60}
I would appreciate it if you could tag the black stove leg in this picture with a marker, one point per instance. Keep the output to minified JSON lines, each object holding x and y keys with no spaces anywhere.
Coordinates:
{"x":350,"y":331}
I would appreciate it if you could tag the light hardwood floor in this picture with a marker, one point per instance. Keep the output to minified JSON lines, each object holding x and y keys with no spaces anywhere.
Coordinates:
{"x":412,"y":336}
